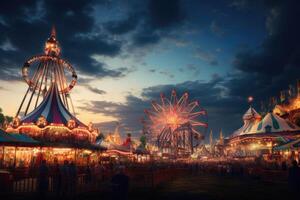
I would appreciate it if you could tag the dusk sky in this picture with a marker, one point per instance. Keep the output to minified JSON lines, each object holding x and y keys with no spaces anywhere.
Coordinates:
{"x":127,"y":52}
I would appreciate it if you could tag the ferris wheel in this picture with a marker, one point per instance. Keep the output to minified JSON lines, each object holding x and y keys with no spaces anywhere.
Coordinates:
{"x":176,"y":124}
{"x":39,"y":72}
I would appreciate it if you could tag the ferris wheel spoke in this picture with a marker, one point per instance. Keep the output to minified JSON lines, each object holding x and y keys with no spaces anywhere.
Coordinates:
{"x":156,"y":106}
{"x":197,"y":123}
{"x":194,"y":131}
{"x":182,"y":101}
{"x":192,"y":106}
{"x":162,"y":98}
{"x":197,"y":114}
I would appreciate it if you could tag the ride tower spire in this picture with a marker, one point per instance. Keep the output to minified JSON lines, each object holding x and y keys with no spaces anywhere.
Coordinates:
{"x":44,"y":113}
{"x":39,"y":72}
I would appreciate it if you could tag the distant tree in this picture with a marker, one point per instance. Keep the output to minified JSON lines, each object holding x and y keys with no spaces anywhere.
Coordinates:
{"x":3,"y":118}
{"x":9,"y":118}
{"x":143,"y":141}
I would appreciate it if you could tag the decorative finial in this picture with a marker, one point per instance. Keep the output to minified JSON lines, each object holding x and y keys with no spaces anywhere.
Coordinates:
{"x":53,"y":31}
{"x":52,"y":46}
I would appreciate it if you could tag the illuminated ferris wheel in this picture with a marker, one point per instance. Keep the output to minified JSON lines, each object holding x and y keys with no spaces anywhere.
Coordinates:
{"x":176,"y":124}
{"x":39,"y":72}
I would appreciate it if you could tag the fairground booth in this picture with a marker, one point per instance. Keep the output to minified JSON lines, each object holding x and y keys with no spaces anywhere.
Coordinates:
{"x":272,"y":136}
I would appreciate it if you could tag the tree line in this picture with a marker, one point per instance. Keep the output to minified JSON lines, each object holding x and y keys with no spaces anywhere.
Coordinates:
{"x":4,"y":118}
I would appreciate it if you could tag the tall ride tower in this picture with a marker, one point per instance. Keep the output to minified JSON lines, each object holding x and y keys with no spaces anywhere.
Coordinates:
{"x":45,"y":110}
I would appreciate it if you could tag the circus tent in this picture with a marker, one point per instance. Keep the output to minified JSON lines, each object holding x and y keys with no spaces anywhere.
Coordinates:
{"x":273,"y":123}
{"x":250,"y":118}
{"x":52,"y":109}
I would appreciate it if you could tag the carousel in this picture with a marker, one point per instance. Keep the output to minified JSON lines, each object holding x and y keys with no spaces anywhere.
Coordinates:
{"x":45,"y":115}
{"x":260,"y":136}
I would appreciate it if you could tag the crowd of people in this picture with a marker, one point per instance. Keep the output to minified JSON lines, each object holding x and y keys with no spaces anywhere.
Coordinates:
{"x":64,"y":179}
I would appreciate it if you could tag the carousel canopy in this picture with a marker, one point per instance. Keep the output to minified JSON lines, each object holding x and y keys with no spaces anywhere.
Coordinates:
{"x":251,"y":117}
{"x":269,"y":124}
{"x":52,"y":109}
{"x":251,"y":114}
{"x":273,"y":123}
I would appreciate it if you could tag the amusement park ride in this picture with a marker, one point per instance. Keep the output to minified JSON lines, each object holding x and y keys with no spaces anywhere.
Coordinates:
{"x":177,"y":125}
{"x":44,"y":112}
{"x":49,"y":68}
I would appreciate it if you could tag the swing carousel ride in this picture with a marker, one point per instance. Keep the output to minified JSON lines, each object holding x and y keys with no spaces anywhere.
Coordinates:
{"x":44,"y":113}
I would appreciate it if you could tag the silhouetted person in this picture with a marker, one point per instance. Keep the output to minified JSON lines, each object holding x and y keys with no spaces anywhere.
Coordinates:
{"x":43,"y":179}
{"x":294,"y":177}
{"x":56,"y":178}
{"x":283,"y":166}
{"x":88,"y":173}
{"x":120,"y":184}
{"x":72,"y":177}
{"x":65,"y":178}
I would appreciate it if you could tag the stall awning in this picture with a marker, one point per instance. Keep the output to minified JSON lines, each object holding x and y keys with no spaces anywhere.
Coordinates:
{"x":23,"y":138}
{"x":16,"y":139}
{"x":289,"y":145}
{"x":5,"y":138}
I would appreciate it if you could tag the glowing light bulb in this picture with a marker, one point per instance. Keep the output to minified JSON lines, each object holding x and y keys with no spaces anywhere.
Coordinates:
{"x":250,"y":99}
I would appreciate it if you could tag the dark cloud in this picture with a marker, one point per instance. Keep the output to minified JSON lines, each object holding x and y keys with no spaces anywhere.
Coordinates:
{"x":26,"y":26}
{"x":206,"y":56}
{"x":223,"y":111}
{"x":158,"y":19}
{"x":107,"y":127}
{"x":95,"y":90}
{"x":272,"y":66}
{"x":164,"y":13}
{"x":167,"y":74}
{"x":129,"y":113}
{"x":217,"y":29}
{"x":123,"y":26}
{"x":192,"y":68}
{"x":261,"y":71}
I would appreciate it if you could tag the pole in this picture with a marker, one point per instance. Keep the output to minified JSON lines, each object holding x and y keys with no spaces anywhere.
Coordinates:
{"x":33,"y":92}
{"x":191,"y":133}
{"x":22,"y":101}
{"x":44,"y":71}
{"x":75,"y":160}
{"x":2,"y":164}
{"x":15,"y":161}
